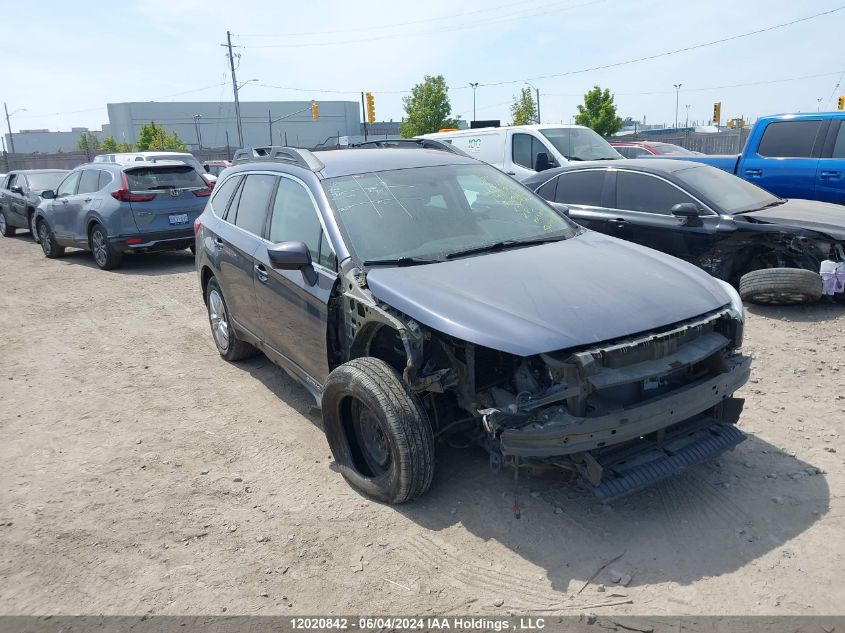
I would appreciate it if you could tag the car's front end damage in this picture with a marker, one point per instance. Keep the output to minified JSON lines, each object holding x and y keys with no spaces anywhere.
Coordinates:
{"x":619,"y":414}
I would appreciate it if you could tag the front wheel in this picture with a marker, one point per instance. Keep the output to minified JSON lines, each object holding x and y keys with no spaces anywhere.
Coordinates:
{"x":33,"y":227}
{"x":6,"y":229}
{"x":781,"y":286}
{"x":379,"y":434}
{"x":48,"y":241}
{"x":104,"y":256}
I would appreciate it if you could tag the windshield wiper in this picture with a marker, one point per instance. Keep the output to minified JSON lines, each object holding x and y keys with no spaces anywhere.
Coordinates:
{"x":401,"y":261}
{"x":776,"y":203}
{"x":498,"y":246}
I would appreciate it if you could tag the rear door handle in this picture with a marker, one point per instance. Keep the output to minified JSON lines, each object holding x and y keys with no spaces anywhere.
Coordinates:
{"x":260,"y":272}
{"x":88,"y":199}
{"x":753,"y":172}
{"x":620,"y":221}
{"x":831,"y":174}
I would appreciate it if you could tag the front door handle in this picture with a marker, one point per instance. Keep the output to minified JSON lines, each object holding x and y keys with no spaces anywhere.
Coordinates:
{"x":754,"y":173}
{"x":260,"y":272}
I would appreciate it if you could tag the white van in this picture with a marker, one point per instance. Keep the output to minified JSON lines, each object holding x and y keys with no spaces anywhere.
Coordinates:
{"x":523,"y":150}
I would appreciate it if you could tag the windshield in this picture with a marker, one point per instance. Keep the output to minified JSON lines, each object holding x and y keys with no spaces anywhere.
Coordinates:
{"x":729,"y":193}
{"x":429,"y":213}
{"x":580,"y":143}
{"x":44,"y":181}
{"x":667,"y":149}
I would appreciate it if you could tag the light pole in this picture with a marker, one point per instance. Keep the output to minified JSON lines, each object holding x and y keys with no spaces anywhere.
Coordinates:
{"x":197,"y":118}
{"x":818,"y":107}
{"x":687,"y":107}
{"x":271,"y":120}
{"x":537,"y":90}
{"x":473,"y":86}
{"x":9,"y":125}
{"x":677,"y":97}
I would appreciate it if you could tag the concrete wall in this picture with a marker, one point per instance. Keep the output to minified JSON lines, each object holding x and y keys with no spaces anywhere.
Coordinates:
{"x":217,"y":118}
{"x":47,"y":142}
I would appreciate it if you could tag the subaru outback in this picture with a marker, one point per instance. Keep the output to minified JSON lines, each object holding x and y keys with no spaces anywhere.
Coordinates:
{"x":421,"y":294}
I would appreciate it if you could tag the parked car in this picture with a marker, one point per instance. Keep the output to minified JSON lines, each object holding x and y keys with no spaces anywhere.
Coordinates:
{"x":124,"y":158}
{"x":638,"y":149}
{"x":20,"y":195}
{"x":792,"y":156}
{"x":523,"y":150}
{"x":214,"y":167}
{"x":769,"y":247}
{"x":113,"y":209}
{"x":420,"y":293}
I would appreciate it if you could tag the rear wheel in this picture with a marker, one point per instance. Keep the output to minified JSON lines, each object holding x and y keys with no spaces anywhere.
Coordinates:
{"x":781,"y":286}
{"x":6,"y":229}
{"x":104,"y":256}
{"x":226,"y":339}
{"x":379,"y":434}
{"x":48,"y":241}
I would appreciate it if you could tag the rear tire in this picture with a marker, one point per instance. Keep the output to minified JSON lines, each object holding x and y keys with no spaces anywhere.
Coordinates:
{"x":379,"y":434}
{"x":781,"y":286}
{"x":48,"y":241}
{"x":226,"y":340}
{"x":104,"y":256}
{"x":6,"y":229}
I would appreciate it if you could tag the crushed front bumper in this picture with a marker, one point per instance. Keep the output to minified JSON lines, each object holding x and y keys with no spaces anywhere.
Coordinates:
{"x":562,"y":434}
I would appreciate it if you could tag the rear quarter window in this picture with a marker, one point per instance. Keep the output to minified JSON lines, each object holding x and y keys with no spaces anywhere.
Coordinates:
{"x":223,"y":195}
{"x":176,"y":176}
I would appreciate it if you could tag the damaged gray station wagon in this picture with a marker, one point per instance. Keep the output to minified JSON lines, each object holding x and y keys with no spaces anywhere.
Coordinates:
{"x":418,"y":294}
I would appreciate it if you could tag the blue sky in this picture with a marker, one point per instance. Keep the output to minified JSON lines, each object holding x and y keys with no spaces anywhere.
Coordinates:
{"x":67,"y":60}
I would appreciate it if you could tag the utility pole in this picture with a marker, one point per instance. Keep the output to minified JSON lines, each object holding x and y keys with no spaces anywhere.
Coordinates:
{"x":364,"y":116}
{"x":677,"y":97}
{"x":197,"y":118}
{"x":537,"y":90}
{"x":818,"y":109}
{"x":473,"y":86}
{"x":228,"y":45}
{"x":270,"y":124}
{"x":9,"y":125}
{"x":687,"y":107}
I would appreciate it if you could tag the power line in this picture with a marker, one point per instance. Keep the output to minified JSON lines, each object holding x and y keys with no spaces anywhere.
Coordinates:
{"x":667,"y":53}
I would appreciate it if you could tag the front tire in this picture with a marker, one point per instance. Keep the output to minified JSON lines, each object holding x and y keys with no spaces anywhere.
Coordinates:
{"x":228,"y":344}
{"x":781,"y":286}
{"x":33,"y":227}
{"x":104,"y":256}
{"x":378,"y":432}
{"x":48,"y":241}
{"x":6,"y":229}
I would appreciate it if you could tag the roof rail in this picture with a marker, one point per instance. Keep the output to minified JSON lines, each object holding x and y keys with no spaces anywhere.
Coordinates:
{"x":411,"y":143}
{"x":293,"y":155}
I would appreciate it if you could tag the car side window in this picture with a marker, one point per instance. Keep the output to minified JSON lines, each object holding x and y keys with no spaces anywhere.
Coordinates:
{"x":253,"y":203}
{"x":789,"y":139}
{"x":641,"y":192}
{"x":525,"y":149}
{"x":294,"y":219}
{"x":10,"y":181}
{"x":223,"y":194}
{"x":68,"y":185}
{"x":839,"y":145}
{"x":104,"y":179}
{"x":547,"y":191}
{"x":88,"y":181}
{"x":7,"y":181}
{"x":581,"y":187}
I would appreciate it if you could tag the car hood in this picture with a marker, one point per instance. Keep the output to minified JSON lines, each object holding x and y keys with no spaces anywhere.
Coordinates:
{"x":824,"y":217}
{"x":526,"y":301}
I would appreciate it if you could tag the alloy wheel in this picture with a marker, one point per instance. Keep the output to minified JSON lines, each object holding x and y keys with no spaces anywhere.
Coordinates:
{"x":2,"y":223}
{"x":219,"y":322}
{"x":44,"y":236}
{"x":100,"y":247}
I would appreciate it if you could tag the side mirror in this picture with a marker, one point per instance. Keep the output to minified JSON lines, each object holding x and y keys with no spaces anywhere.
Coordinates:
{"x":292,"y":256}
{"x":16,"y":189}
{"x":48,"y":194}
{"x":542,"y":162}
{"x":688,"y":211}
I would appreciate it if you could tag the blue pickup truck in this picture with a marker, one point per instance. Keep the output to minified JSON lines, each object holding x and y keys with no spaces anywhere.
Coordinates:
{"x":792,"y":156}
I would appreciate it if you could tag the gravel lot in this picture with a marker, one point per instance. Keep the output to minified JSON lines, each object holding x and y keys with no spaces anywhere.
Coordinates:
{"x":143,"y":474}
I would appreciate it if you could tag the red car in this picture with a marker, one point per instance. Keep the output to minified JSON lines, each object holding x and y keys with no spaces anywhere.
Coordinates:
{"x":638,"y":149}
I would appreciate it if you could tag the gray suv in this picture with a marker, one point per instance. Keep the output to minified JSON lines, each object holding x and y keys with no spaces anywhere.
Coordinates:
{"x":113,"y":209}
{"x":20,"y":195}
{"x":419,"y":294}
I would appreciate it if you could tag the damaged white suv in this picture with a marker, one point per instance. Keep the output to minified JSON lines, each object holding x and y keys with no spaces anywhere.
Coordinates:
{"x":418,"y":293}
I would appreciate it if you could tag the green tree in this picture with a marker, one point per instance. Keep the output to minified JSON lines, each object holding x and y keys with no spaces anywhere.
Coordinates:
{"x":110,"y":145}
{"x":599,"y":112}
{"x":154,"y":136}
{"x":88,"y":142}
{"x":523,"y":109}
{"x":427,"y":108}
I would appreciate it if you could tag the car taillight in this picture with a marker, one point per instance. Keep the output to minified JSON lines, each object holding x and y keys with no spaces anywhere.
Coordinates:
{"x":203,"y":193}
{"x":124,"y":195}
{"x":197,"y":225}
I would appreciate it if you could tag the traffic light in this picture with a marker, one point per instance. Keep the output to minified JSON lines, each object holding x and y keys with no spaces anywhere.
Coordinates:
{"x":371,"y":108}
{"x":731,"y":123}
{"x":841,"y":103}
{"x":717,"y":112}
{"x":315,"y":111}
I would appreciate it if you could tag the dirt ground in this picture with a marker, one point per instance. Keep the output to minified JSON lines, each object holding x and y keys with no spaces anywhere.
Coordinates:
{"x":140,"y":473}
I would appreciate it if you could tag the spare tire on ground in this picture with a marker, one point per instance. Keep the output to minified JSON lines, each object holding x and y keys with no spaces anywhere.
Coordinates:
{"x":781,"y":286}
